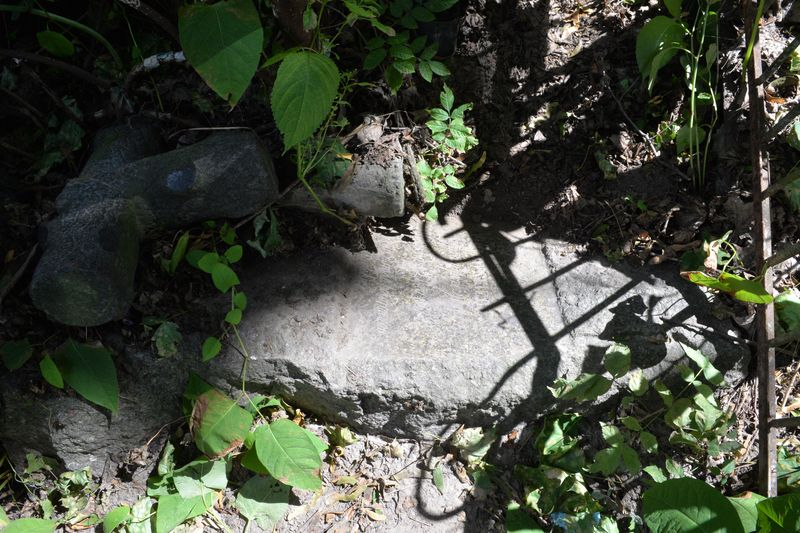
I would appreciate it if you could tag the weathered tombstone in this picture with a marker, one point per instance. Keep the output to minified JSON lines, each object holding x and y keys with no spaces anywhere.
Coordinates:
{"x":127,"y":191}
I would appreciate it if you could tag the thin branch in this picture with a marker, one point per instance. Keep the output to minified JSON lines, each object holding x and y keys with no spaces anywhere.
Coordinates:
{"x":61,"y":65}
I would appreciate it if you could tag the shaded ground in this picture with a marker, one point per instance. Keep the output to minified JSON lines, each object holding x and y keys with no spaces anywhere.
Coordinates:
{"x":552,"y":83}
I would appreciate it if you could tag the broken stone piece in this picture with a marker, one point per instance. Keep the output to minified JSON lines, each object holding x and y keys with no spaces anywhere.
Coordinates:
{"x":128,"y":191}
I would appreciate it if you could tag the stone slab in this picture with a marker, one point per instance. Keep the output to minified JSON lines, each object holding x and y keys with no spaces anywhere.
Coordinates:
{"x":458,"y":324}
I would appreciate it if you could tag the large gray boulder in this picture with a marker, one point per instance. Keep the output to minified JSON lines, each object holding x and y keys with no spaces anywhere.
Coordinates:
{"x":458,"y":324}
{"x":127,"y":191}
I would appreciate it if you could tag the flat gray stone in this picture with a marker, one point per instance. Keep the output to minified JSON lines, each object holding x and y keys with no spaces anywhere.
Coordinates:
{"x":458,"y":325}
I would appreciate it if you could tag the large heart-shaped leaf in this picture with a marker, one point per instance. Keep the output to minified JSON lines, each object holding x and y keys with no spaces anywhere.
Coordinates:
{"x":218,"y":424}
{"x":90,"y":371}
{"x":688,"y":505}
{"x":289,"y":454}
{"x":223,"y":43}
{"x":304,"y":91}
{"x":264,"y":500}
{"x":658,"y":41}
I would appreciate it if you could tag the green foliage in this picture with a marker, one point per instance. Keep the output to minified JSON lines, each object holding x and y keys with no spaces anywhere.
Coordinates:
{"x":50,"y":372}
{"x":304,"y":92}
{"x":218,"y":424}
{"x":16,"y":353}
{"x":688,"y":505}
{"x":746,"y":508}
{"x":746,"y":290}
{"x":656,"y":44}
{"x":116,"y":517}
{"x":90,"y":371}
{"x":263,"y":499}
{"x":289,"y":454}
{"x":403,"y":55}
{"x":178,"y":253}
{"x":780,"y":514}
{"x":55,"y":43}
{"x":452,"y":138}
{"x":31,"y":525}
{"x":223,"y":42}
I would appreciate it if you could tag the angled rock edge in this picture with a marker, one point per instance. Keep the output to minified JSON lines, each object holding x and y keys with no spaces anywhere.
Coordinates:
{"x":448,"y":324}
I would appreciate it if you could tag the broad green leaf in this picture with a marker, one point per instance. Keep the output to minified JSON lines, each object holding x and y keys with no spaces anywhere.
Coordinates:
{"x":446,"y":98}
{"x":16,"y":353}
{"x":234,"y":253}
{"x":607,"y":461}
{"x":675,"y":470}
{"x":432,"y":214}
{"x":289,"y":454}
{"x":751,"y":291}
{"x":141,"y":516}
{"x":630,"y":459}
{"x":234,"y":316}
{"x":787,"y":308}
{"x":201,"y":478}
{"x":51,"y":373}
{"x":264,"y":500}
{"x":439,"y":68}
{"x":519,"y":521}
{"x":167,"y":338}
{"x":611,"y":434}
{"x":115,"y":518}
{"x":637,"y":383}
{"x":240,"y":301}
{"x":679,"y":413}
{"x":304,"y":91}
{"x":425,"y":71}
{"x":745,"y":505}
{"x":166,"y":464}
{"x":31,"y":525}
{"x":780,"y":514}
{"x":3,"y":518}
{"x":374,"y":58}
{"x":211,"y":348}
{"x":388,"y":30}
{"x":688,"y":138}
{"x":688,"y":505}
{"x":674,"y":8}
{"x":205,"y":260}
{"x":173,"y":510}
{"x":218,"y":424}
{"x":710,"y":372}
{"x":664,"y":392}
{"x":656,"y":43}
{"x":648,"y":441}
{"x":438,"y":478}
{"x":394,"y":78}
{"x":584,"y":387}
{"x":90,"y":371}
{"x":617,"y":360}
{"x":250,"y":461}
{"x":56,"y":43}
{"x":223,"y":42}
{"x":656,"y":473}
{"x":223,"y":277}
{"x":632,"y":423}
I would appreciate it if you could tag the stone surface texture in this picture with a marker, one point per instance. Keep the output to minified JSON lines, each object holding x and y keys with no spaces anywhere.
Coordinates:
{"x":459,"y":324}
{"x":85,"y":276}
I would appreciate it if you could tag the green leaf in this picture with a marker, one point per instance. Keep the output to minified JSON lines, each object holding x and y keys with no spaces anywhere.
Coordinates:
{"x":617,"y":360}
{"x":787,"y":308}
{"x":309,"y":18}
{"x":425,"y":71}
{"x":438,"y":478}
{"x":664,"y":392}
{"x":174,"y":509}
{"x":751,"y":291}
{"x":473,"y":443}
{"x":3,"y":518}
{"x":441,"y":116}
{"x":713,"y":375}
{"x":178,"y":253}
{"x":585,"y":387}
{"x":303,"y":94}
{"x":648,"y":441}
{"x":218,"y":424}
{"x":439,"y":68}
{"x":607,"y":461}
{"x":56,"y":43}
{"x":657,"y":42}
{"x":140,"y":516}
{"x":16,"y":353}
{"x":289,"y":454}
{"x":234,"y":316}
{"x":453,"y":182}
{"x":240,"y":301}
{"x":632,"y":423}
{"x":637,"y":383}
{"x":234,"y":253}
{"x":31,"y":525}
{"x":688,"y":138}
{"x":90,"y":371}
{"x":688,"y":505}
{"x":201,"y":478}
{"x":167,"y":338}
{"x":656,"y":473}
{"x":264,"y":500}
{"x":51,"y":373}
{"x":422,"y":14}
{"x":223,"y":277}
{"x":394,"y":78}
{"x":401,"y":51}
{"x":374,"y":58}
{"x":404,"y":66}
{"x":223,"y":42}
{"x":630,"y":459}
{"x":746,"y":507}
{"x":519,"y":521}
{"x":446,"y":98}
{"x":206,"y":261}
{"x":437,"y":6}
{"x":674,"y":8}
{"x":679,"y":413}
{"x":611,"y":434}
{"x":211,"y":348}
{"x":780,"y":514}
{"x":115,"y":518}
{"x":432,"y":214}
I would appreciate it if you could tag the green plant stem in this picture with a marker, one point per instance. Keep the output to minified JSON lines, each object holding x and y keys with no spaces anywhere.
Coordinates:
{"x":752,"y":40}
{"x":67,"y":22}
